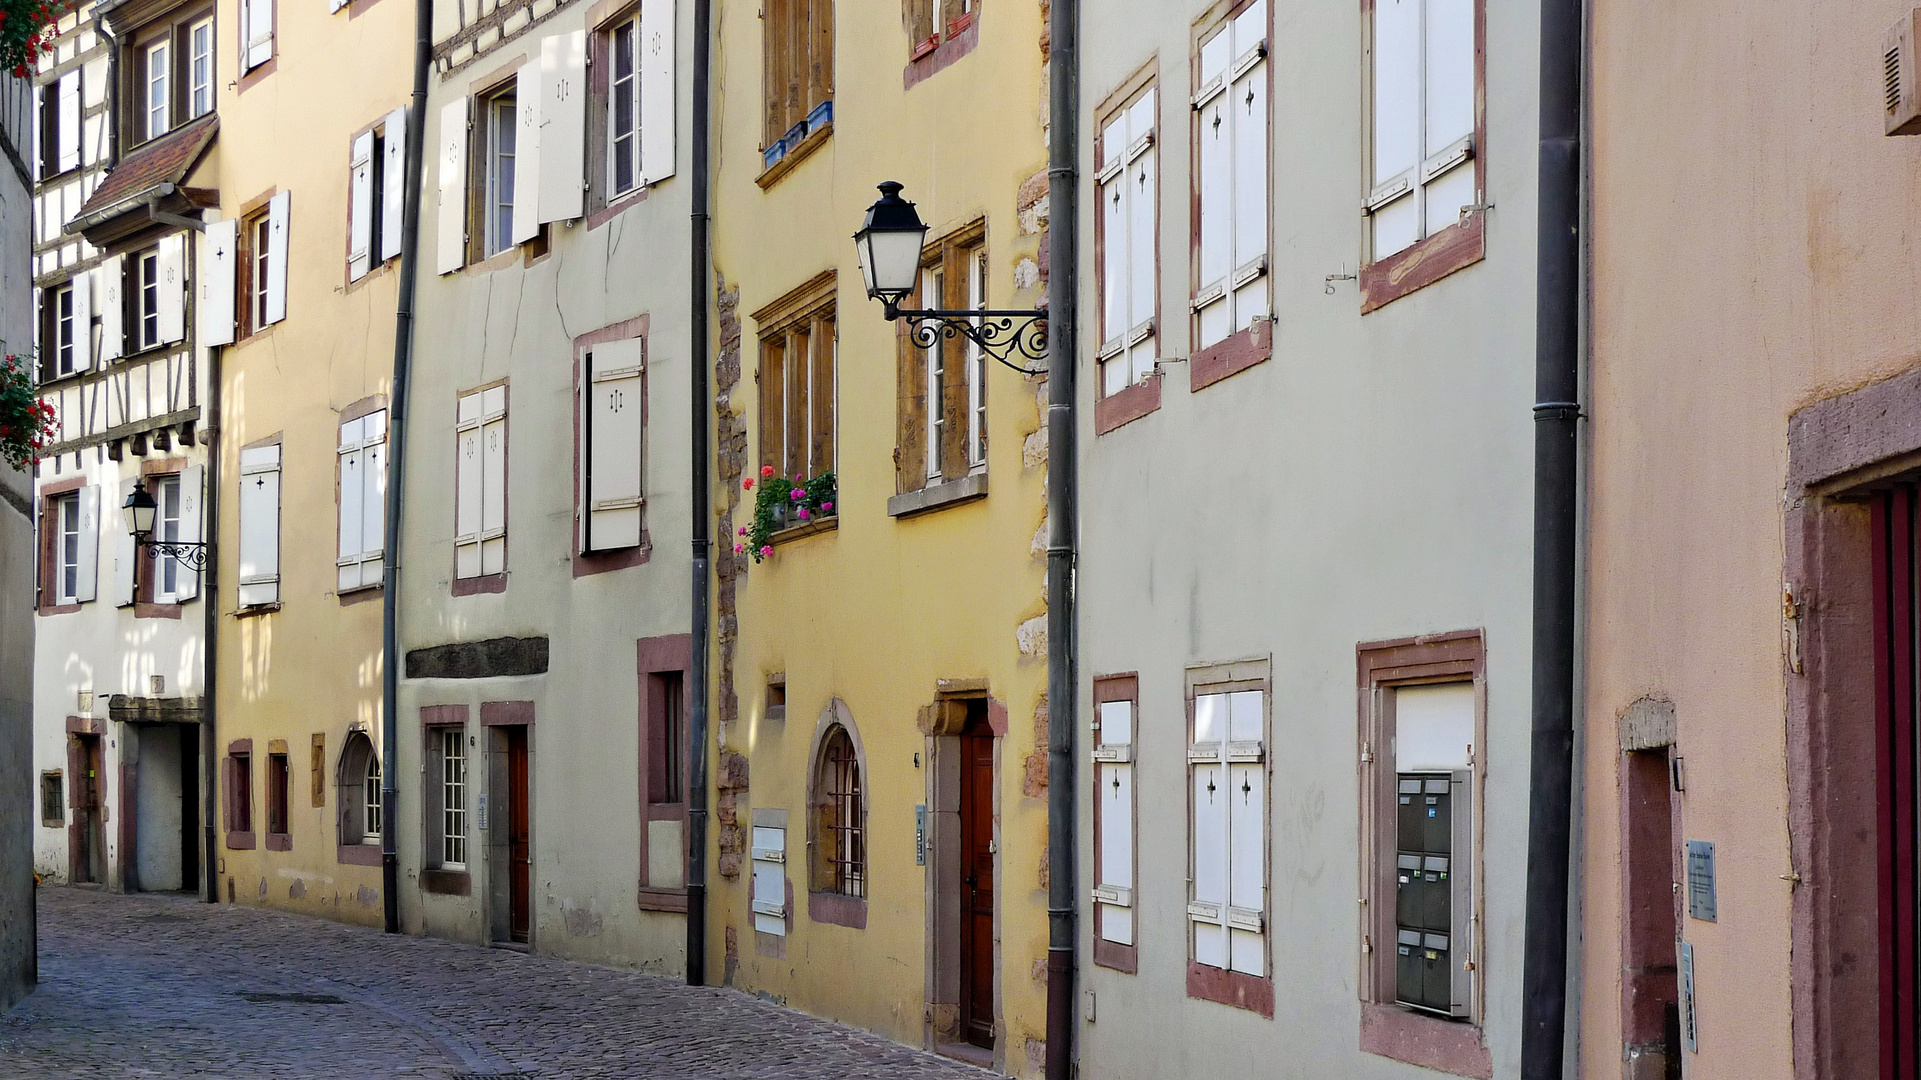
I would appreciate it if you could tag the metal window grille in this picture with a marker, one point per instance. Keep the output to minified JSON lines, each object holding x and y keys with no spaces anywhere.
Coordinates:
{"x":841,"y":833}
{"x":453,"y":799}
{"x":371,"y":826}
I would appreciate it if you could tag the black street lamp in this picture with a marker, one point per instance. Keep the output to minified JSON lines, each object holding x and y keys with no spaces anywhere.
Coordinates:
{"x":890,"y":242}
{"x":139,"y":510}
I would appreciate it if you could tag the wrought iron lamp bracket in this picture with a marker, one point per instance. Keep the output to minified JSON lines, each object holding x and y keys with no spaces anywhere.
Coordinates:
{"x":1000,"y":333}
{"x":191,"y":555}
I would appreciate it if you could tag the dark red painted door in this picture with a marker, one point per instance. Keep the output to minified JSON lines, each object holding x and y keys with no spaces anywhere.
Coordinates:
{"x":519,"y":846}
{"x":977,"y":886}
{"x":1897,"y":633}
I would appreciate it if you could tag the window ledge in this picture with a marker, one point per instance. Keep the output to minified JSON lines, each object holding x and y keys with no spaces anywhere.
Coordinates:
{"x":1232,"y":356}
{"x":814,"y":141}
{"x":446,"y":882}
{"x":239,"y":841}
{"x":485,"y":583}
{"x":795,"y":532}
{"x":1448,"y":1046}
{"x":1128,"y":405}
{"x":255,"y":610}
{"x":653,"y":899}
{"x":1456,"y":247}
{"x":1111,"y":954}
{"x":934,"y":497}
{"x":837,"y":909}
{"x":962,"y":35}
{"x":144,"y":610}
{"x":279,"y":841}
{"x":1233,"y":988}
{"x":358,"y":855}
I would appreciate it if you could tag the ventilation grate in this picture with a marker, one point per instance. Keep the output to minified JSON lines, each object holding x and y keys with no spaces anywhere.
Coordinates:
{"x":1892,"y":66}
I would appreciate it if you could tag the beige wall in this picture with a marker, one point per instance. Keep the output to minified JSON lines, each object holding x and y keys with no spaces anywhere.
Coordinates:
{"x":1752,"y":252}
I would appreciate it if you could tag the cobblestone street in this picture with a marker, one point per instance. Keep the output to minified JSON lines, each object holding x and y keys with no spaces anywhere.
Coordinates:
{"x":148,"y":986}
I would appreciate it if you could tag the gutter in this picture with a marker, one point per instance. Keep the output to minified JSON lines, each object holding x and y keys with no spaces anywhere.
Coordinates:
{"x":1063,"y":213}
{"x":210,"y":606}
{"x":698,"y":699}
{"x":397,"y":469}
{"x":1545,"y":949}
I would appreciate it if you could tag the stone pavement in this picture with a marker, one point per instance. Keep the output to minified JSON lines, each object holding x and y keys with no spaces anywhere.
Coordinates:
{"x":152,"y":986}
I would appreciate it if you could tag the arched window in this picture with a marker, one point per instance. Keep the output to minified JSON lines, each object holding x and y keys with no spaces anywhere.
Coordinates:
{"x":357,"y":780}
{"x":840,"y":819}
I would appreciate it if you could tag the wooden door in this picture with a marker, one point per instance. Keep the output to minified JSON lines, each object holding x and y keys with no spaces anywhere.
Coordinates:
{"x":86,"y":854}
{"x":1897,"y":641}
{"x":519,"y":847}
{"x":977,"y":886}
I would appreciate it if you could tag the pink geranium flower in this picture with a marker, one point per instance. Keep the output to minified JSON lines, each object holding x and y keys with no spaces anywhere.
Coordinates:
{"x":767,"y":551}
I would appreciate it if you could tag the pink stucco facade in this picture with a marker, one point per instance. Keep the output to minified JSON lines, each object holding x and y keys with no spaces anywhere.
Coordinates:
{"x":1754,"y":251}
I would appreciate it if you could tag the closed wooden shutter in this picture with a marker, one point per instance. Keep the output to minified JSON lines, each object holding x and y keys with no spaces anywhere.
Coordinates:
{"x":363,"y":508}
{"x":1227,"y":767}
{"x":820,"y":396}
{"x":769,"y":856}
{"x":1249,"y":101}
{"x":612,"y":474}
{"x":451,"y":238}
{"x":657,"y":86}
{"x":773,"y":399}
{"x":480,"y":514}
{"x":259,"y":576}
{"x":910,"y":394}
{"x":171,"y":296}
{"x":1232,"y":113}
{"x":82,"y":289}
{"x":393,"y":182}
{"x":1114,"y":781}
{"x":88,"y":560}
{"x":256,"y":30}
{"x":193,"y":484}
{"x":1215,"y":163}
{"x":214,"y":306}
{"x":1397,"y":125}
{"x":526,"y":159}
{"x":794,"y":458}
{"x":111,"y":276}
{"x":279,"y":208}
{"x":126,"y":553}
{"x":360,"y":207}
{"x":1129,"y":264}
{"x":1447,"y":178}
{"x":955,"y":273}
{"x":563,"y":128}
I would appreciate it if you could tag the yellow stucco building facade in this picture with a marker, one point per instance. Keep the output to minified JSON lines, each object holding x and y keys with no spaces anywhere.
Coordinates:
{"x":880,"y":671}
{"x":311,"y":230}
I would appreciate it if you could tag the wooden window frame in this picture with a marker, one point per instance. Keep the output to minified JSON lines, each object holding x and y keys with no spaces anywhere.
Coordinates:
{"x":149,"y":602}
{"x":1389,"y":1030}
{"x":53,"y":325}
{"x":436,"y":877}
{"x":354,"y":843}
{"x":1241,"y":349}
{"x":250,"y":271}
{"x":279,"y":779}
{"x":797,"y":82}
{"x":445,"y":722}
{"x":175,"y":31}
{"x":53,"y":782}
{"x":483,"y":175}
{"x":1460,"y":245}
{"x":1137,"y":399}
{"x":1225,"y":986}
{"x":237,"y":795}
{"x":806,"y":439}
{"x":957,"y":257}
{"x":485,"y":582}
{"x":57,"y":506}
{"x":1125,"y":686}
{"x":661,"y":663}
{"x":47,"y":584}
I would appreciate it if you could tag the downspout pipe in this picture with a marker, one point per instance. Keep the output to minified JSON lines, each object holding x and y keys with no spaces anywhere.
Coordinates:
{"x":210,"y":634}
{"x":1063,"y":297}
{"x":397,"y":469}
{"x":1557,"y":410}
{"x":698,"y":698}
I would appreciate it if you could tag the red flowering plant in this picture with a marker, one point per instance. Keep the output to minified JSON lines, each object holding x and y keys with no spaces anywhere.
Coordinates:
{"x":27,"y":32}
{"x":783,"y":504}
{"x":26,"y":422}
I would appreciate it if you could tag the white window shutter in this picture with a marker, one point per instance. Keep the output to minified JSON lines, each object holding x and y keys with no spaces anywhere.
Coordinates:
{"x":1248,"y":99}
{"x":373,"y":511}
{"x":82,"y":322}
{"x":1246,"y":834}
{"x":257,"y":33}
{"x":214,"y":306}
{"x":563,"y":127}
{"x":1216,"y":179}
{"x":171,"y":267}
{"x":1143,"y":187}
{"x":611,"y":506}
{"x":1207,"y":909}
{"x":278,"y":210}
{"x":493,"y":478}
{"x":67,"y":131}
{"x":657,"y":84}
{"x":111,"y":274}
{"x":393,"y":182}
{"x":527,"y":132}
{"x":193,"y":482}
{"x":336,"y":5}
{"x":1116,"y":202}
{"x":467,"y":487}
{"x":360,"y":207}
{"x":89,"y":561}
{"x":353,"y":503}
{"x":259,"y":577}
{"x":769,"y":856}
{"x":451,"y":252}
{"x":1449,"y":56}
{"x":125,"y":552}
{"x":1114,"y":775}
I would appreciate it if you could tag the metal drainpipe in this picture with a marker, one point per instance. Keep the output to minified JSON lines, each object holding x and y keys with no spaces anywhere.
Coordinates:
{"x":397,"y":468}
{"x":702,"y":542}
{"x":1544,"y":960}
{"x":210,"y":609}
{"x":1063,"y":178}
